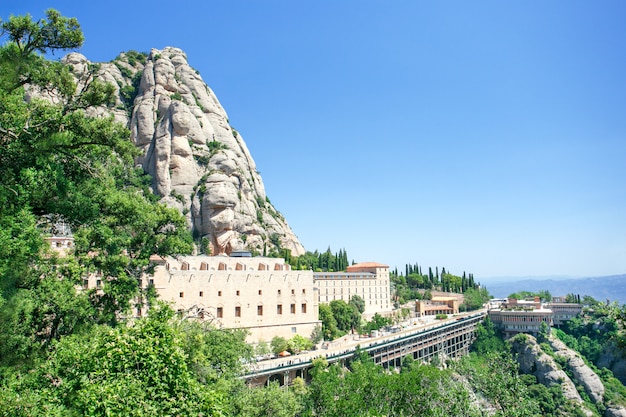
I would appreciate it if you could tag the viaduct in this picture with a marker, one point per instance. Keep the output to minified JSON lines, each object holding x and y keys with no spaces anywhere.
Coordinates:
{"x":447,"y":339}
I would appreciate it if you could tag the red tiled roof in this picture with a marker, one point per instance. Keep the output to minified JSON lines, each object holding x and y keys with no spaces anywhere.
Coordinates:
{"x":366,"y":265}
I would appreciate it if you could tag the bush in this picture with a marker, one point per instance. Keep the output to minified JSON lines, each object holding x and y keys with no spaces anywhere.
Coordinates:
{"x":279,"y":344}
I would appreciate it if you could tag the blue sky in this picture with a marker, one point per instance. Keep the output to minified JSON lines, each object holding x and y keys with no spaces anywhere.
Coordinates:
{"x":482,"y":136}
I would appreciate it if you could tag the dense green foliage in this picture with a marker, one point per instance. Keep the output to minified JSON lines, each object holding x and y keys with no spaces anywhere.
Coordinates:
{"x":414,"y":285}
{"x":65,"y":352}
{"x":339,"y":318}
{"x":321,"y":261}
{"x":294,"y":345}
{"x":57,"y":164}
{"x":592,"y":333}
{"x":598,"y":332}
{"x":366,"y":389}
{"x":134,"y":370}
{"x":492,"y":370}
{"x":544,"y":295}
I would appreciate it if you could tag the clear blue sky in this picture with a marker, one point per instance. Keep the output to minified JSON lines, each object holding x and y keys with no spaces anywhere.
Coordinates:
{"x":481,"y":136}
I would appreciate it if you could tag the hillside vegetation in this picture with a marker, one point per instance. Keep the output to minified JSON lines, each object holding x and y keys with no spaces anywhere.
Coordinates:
{"x":65,"y":352}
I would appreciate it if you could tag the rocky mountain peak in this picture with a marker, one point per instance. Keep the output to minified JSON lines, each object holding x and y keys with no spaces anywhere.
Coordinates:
{"x":198,"y":162}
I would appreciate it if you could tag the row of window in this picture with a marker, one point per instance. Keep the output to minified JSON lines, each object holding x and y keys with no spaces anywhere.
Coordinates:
{"x":348,"y":283}
{"x":356,"y":290}
{"x":219,"y":293}
{"x":521,"y":318}
{"x":259,"y":310}
{"x":185,"y":266}
{"x":329,"y":299}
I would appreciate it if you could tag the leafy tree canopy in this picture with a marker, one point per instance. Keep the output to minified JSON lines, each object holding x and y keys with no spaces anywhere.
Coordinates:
{"x":59,"y":164}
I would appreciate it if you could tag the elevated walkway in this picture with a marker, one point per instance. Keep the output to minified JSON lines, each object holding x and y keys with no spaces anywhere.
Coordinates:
{"x":445,"y":339}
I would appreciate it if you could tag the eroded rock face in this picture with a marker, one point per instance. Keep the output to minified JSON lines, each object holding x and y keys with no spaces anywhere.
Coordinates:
{"x":198,"y":162}
{"x":533,"y":360}
{"x":582,"y":373}
{"x":615,"y":412}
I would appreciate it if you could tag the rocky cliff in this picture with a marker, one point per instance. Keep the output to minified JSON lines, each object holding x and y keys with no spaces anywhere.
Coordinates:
{"x":199,"y":164}
{"x":534,"y":360}
{"x":583,"y":374}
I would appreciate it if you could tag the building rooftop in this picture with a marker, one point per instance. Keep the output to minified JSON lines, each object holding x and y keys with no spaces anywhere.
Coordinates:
{"x":442,"y":298}
{"x":342,"y":274}
{"x":366,"y":265}
{"x":523,"y":310}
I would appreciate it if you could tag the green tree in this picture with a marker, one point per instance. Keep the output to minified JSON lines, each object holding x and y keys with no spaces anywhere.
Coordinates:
{"x":57,"y":161}
{"x":365,"y":389}
{"x":474,"y":299}
{"x":329,"y":324}
{"x":213,"y":353}
{"x":298,"y":343}
{"x":358,"y":303}
{"x":346,"y":315}
{"x":544,"y":332}
{"x":488,"y":338}
{"x":262,"y":348}
{"x":317,"y":335}
{"x":496,"y":376}
{"x":377,"y":322}
{"x":272,"y":400}
{"x":279,"y":344}
{"x":544,"y":295}
{"x":135,"y":370}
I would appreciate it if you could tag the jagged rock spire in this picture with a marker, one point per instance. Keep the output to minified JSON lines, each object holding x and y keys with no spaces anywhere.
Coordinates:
{"x":198,"y":162}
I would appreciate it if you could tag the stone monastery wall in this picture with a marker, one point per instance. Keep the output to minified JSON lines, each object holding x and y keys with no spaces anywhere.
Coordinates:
{"x":261,"y":294}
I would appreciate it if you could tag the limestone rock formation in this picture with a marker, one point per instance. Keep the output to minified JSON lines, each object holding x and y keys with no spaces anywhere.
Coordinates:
{"x":199,"y":163}
{"x":533,"y":360}
{"x":582,"y":373}
{"x":615,"y":412}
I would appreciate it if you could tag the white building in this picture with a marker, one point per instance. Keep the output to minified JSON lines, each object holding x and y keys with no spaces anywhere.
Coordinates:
{"x":368,"y":280}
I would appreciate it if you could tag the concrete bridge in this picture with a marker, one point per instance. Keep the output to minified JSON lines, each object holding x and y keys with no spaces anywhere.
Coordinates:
{"x":444,"y":339}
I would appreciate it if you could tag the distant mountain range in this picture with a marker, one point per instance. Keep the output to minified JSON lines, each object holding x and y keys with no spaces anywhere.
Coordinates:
{"x":611,"y":288}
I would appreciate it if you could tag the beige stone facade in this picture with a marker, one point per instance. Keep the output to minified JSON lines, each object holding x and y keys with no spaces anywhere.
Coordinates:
{"x":437,"y":305}
{"x":260,"y":294}
{"x":521,"y":316}
{"x":368,"y":280}
{"x":564,"y":311}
